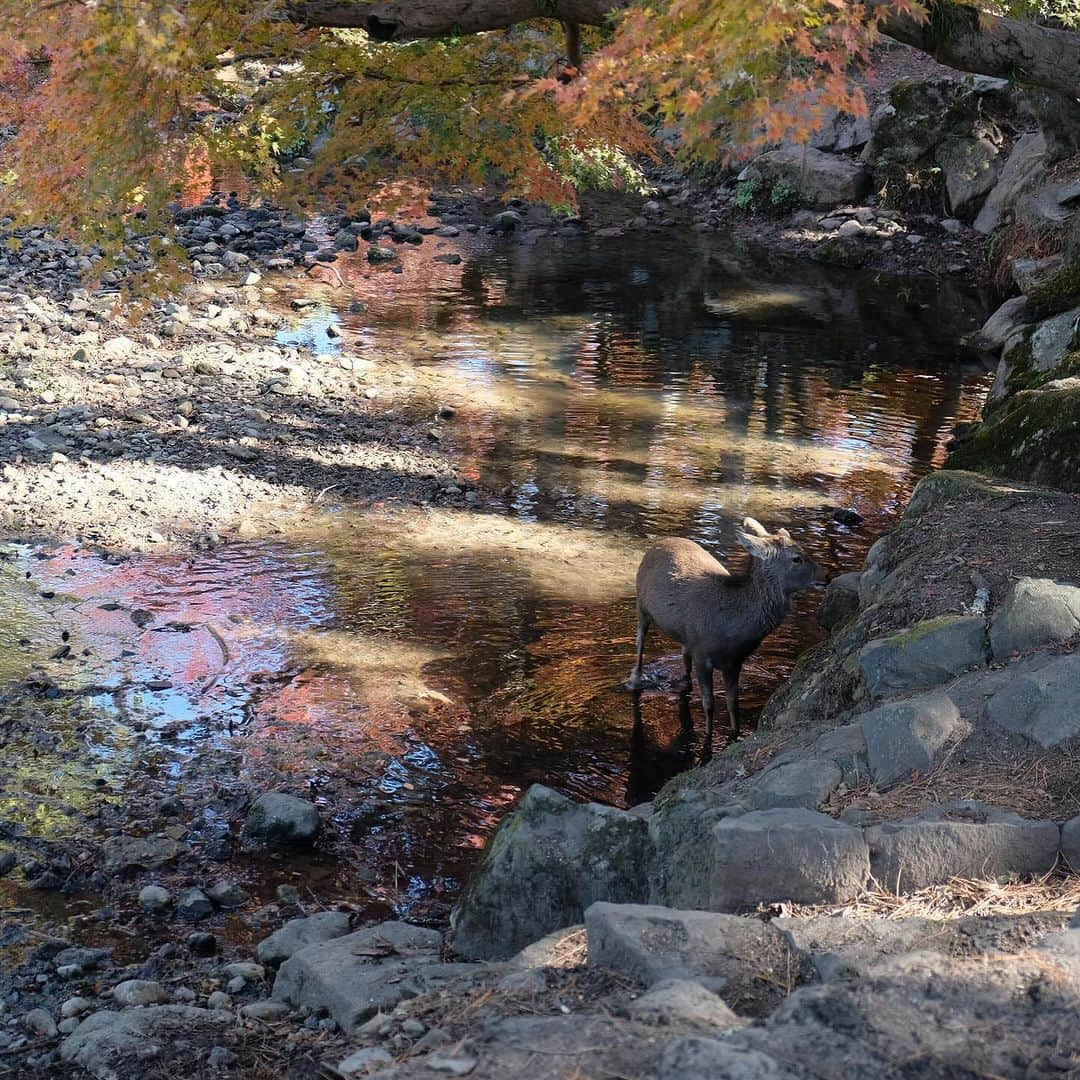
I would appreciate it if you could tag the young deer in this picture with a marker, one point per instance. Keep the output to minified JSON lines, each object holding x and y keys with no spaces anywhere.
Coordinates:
{"x":718,"y":617}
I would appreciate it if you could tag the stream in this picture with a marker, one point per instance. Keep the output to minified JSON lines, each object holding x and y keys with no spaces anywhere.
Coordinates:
{"x":414,"y":670}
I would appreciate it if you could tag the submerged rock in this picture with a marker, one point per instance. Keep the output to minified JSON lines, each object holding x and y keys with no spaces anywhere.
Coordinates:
{"x":546,"y":863}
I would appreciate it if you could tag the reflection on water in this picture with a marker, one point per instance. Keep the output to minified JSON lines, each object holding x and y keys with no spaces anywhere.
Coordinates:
{"x":416,"y":670}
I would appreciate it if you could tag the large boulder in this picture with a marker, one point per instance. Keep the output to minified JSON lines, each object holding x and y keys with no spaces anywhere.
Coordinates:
{"x":905,"y":736}
{"x":1010,"y":318}
{"x":545,"y":864}
{"x":1026,"y":164}
{"x":1070,"y":849}
{"x":1041,"y":704}
{"x":775,"y":855}
{"x":961,"y":839}
{"x":1034,"y":613}
{"x":925,"y":655}
{"x":971,"y":165}
{"x":821,"y":180}
{"x":356,"y":976}
{"x":278,"y":820}
{"x":746,"y":961}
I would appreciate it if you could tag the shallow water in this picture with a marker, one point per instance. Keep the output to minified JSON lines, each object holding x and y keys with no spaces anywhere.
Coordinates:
{"x":415,"y":670}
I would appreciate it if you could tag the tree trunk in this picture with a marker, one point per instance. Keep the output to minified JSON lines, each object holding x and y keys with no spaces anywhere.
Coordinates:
{"x":967,"y":39}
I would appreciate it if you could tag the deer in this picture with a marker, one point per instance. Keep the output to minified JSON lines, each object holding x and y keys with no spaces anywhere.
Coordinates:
{"x":718,"y":617}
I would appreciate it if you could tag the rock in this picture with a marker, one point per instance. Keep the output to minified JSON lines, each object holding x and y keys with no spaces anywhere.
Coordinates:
{"x":694,"y":1058}
{"x":1070,"y":850}
{"x":906,"y":736}
{"x":370,"y":971}
{"x":363,"y":1061}
{"x":805,"y":783}
{"x":122,"y":854}
{"x":139,"y":992}
{"x":544,"y":865}
{"x":279,"y":820}
{"x":451,"y":1064}
{"x":841,"y":601}
{"x":822,"y":181}
{"x":39,"y":1022}
{"x":379,"y":254}
{"x":1035,"y":612}
{"x":221,"y":1057}
{"x":1025,"y":165}
{"x":1031,"y":274}
{"x":245,"y":970}
{"x":193,"y":904}
{"x":971,"y":166}
{"x":79,"y":961}
{"x":1041,"y":704}
{"x":298,"y":934}
{"x":1054,"y":339}
{"x":269,"y":1012}
{"x":346,"y":240}
{"x":683,"y":1001}
{"x":553,"y":950}
{"x":119,"y":348}
{"x":227,"y":894}
{"x":838,"y":947}
{"x":219,"y":1000}
{"x":925,"y":655}
{"x":75,"y":1006}
{"x":745,"y":961}
{"x":779,"y":855}
{"x":450,"y":258}
{"x":1012,"y":316}
{"x":201,"y":944}
{"x":154,"y":898}
{"x":961,"y":839}
{"x":844,"y":746}
{"x":505,"y":222}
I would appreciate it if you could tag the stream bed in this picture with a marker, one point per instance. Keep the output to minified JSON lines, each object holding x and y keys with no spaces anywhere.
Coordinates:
{"x":413,"y":670}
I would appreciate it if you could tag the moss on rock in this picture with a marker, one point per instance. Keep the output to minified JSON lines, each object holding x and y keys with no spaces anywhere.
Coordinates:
{"x":1034,"y":435}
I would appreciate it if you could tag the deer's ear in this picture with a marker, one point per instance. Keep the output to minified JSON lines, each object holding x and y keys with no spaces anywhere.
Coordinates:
{"x":783,"y":534}
{"x":758,"y":546}
{"x":754,"y":527}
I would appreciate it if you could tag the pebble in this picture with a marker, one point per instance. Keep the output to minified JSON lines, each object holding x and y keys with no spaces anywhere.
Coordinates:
{"x":139,"y":992}
{"x":201,"y":944}
{"x":455,"y":1065}
{"x":219,"y":1001}
{"x":40,"y":1023}
{"x":363,"y":1061}
{"x":236,"y":985}
{"x":221,"y":1057}
{"x":75,"y":1006}
{"x":227,"y":894}
{"x":246,"y":970}
{"x":154,"y":898}
{"x":268,"y":1011}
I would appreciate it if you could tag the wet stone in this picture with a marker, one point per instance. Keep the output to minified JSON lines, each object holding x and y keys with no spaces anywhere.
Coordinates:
{"x":277,"y":820}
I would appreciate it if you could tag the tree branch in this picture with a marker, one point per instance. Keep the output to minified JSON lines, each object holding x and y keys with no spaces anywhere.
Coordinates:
{"x":975,"y":41}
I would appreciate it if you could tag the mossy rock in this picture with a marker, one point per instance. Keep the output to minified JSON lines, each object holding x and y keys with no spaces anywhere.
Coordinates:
{"x":1034,"y":436}
{"x":1058,"y":293}
{"x":948,"y":484}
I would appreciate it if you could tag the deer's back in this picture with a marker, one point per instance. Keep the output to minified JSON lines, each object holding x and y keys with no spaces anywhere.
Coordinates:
{"x":678,"y":587}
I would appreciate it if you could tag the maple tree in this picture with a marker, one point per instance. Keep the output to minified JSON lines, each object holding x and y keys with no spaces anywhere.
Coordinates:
{"x":106,"y":103}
